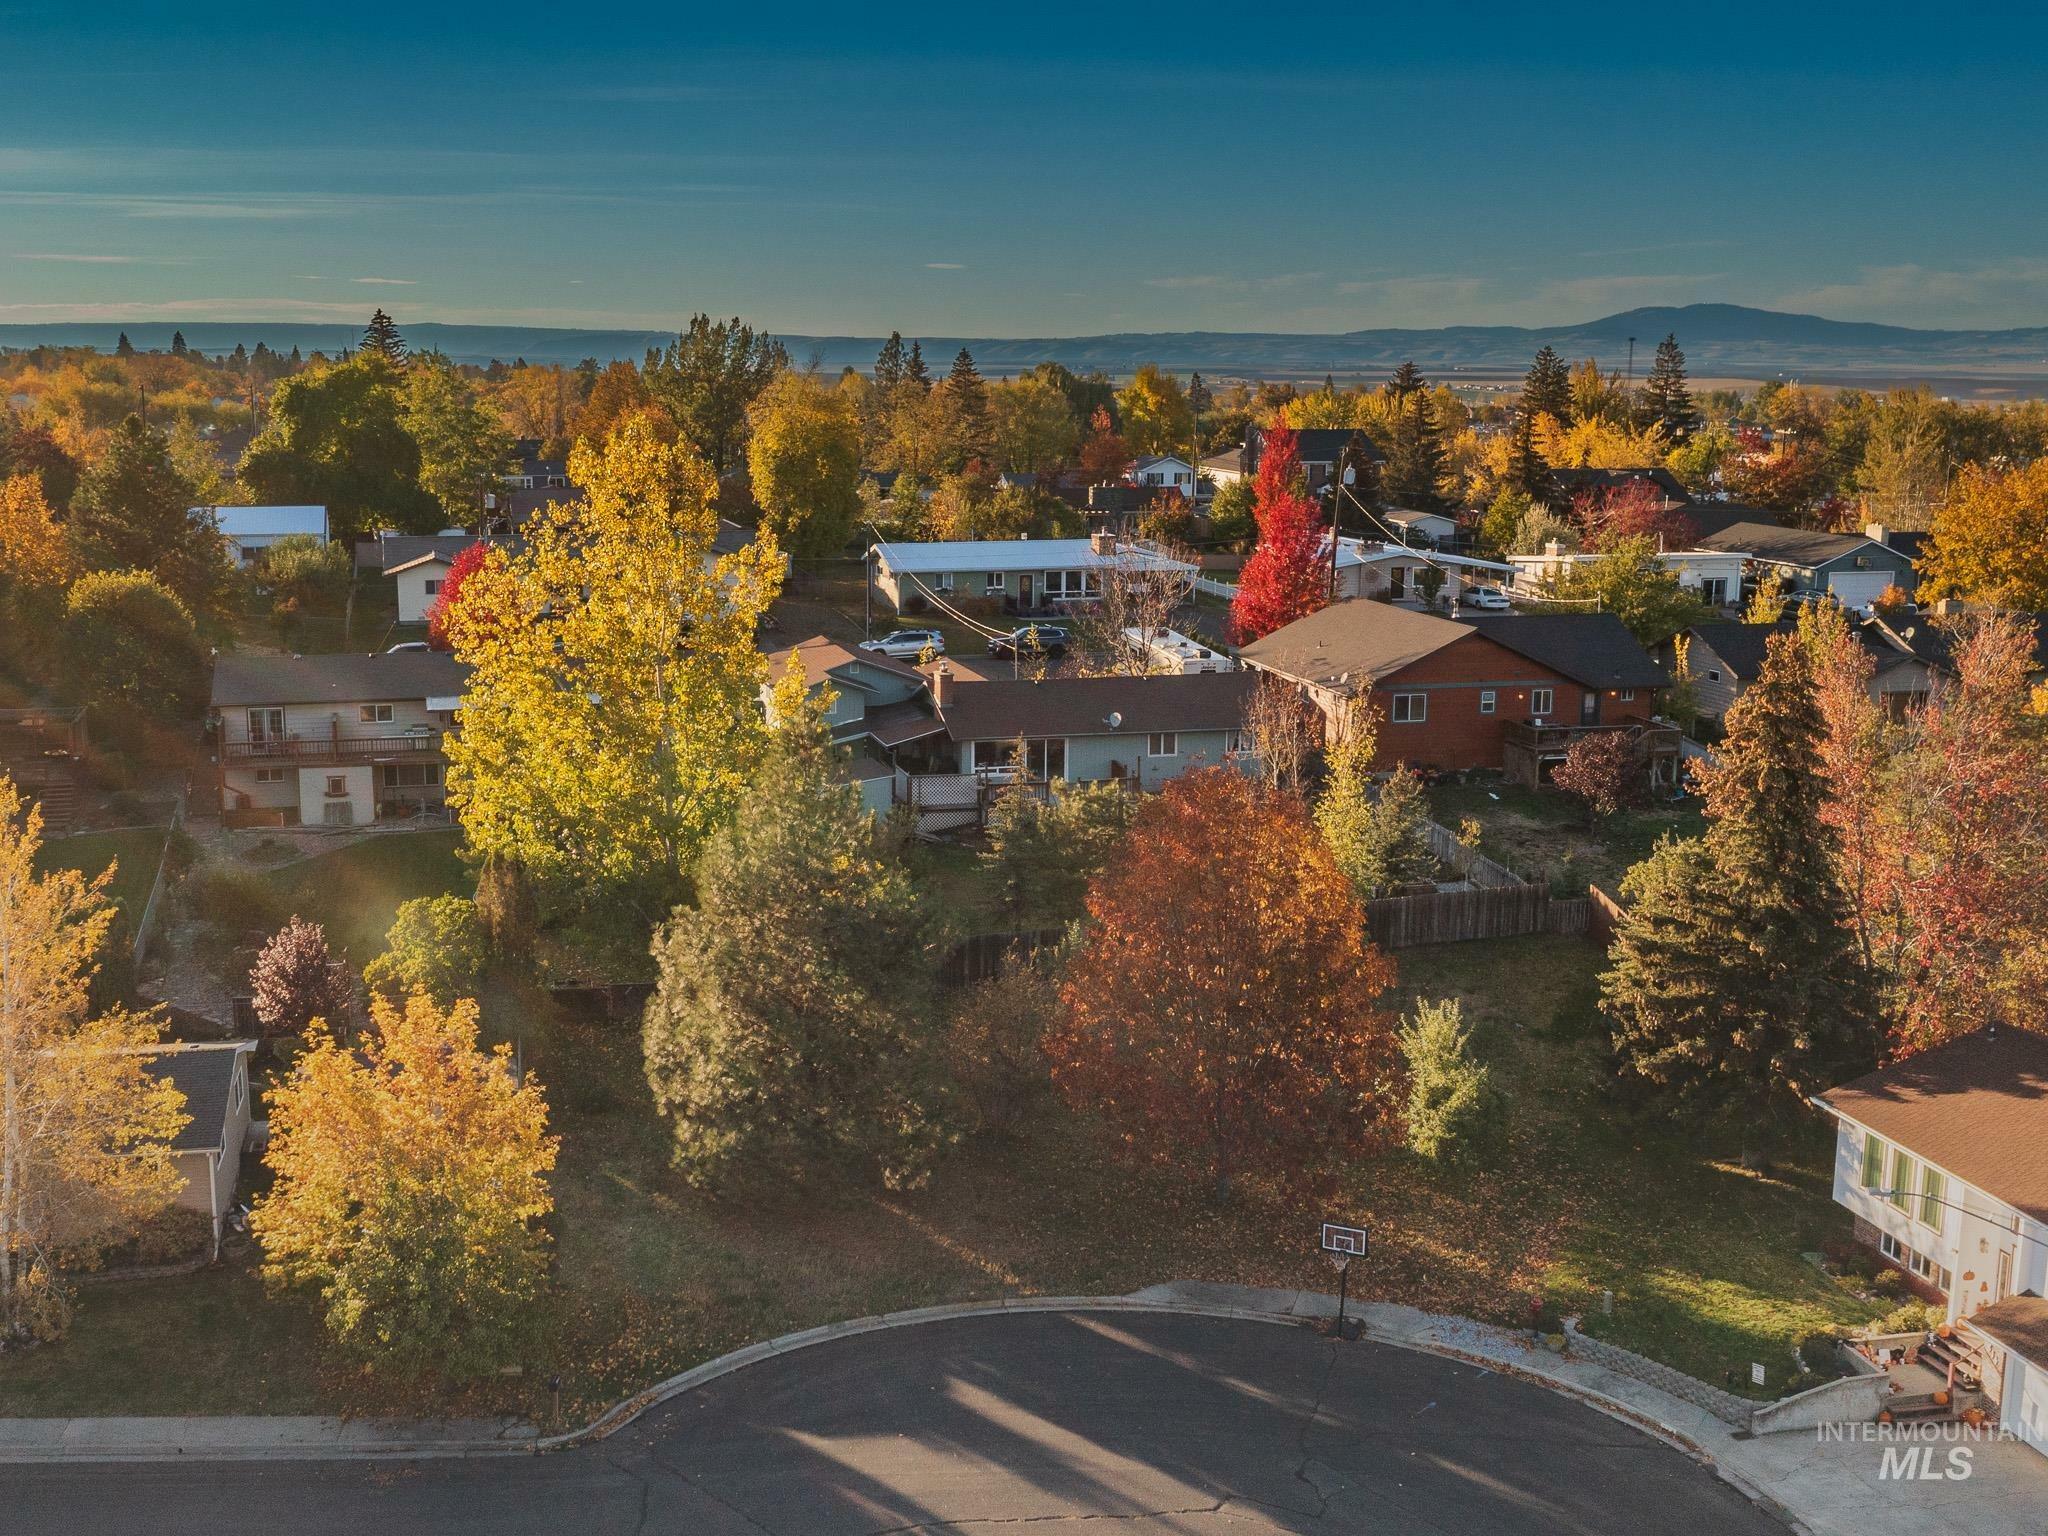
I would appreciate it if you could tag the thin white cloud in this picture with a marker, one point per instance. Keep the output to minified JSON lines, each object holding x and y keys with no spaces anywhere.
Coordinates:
{"x":88,"y":259}
{"x":388,"y":282}
{"x":945,"y":266}
{"x":1192,"y":280}
{"x":1993,"y":295}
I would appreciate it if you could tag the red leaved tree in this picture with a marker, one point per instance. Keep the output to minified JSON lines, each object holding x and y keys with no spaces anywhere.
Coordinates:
{"x":1603,"y":769}
{"x":1222,"y":1013}
{"x":1288,"y":574}
{"x":1634,"y":510}
{"x":1105,"y":457}
{"x":297,"y":979}
{"x":460,"y":569}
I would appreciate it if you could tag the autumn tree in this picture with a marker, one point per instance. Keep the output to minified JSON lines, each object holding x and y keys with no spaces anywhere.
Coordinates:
{"x":436,"y":945}
{"x":1222,"y":1010}
{"x":708,"y":379}
{"x":31,"y":448}
{"x":463,"y":449}
{"x":1105,"y":455}
{"x":1287,"y":576}
{"x":1635,"y":510}
{"x":1604,"y":772}
{"x":1378,"y":832}
{"x":1155,"y":412}
{"x":1283,"y":727}
{"x":1733,"y":987}
{"x":618,"y":391}
{"x":1990,"y":541}
{"x":804,"y":458}
{"x":466,"y":564}
{"x":304,"y":574}
{"x":1630,"y":582}
{"x":132,"y":646}
{"x":35,"y":560}
{"x":336,"y":437}
{"x":611,"y":714}
{"x":1033,"y":430}
{"x":85,"y":1128}
{"x":411,"y":1183}
{"x":297,"y":979}
{"x":788,"y":1032}
{"x":132,"y":511}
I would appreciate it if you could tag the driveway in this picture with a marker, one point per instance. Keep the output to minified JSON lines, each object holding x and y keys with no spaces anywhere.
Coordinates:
{"x":1159,"y":1423}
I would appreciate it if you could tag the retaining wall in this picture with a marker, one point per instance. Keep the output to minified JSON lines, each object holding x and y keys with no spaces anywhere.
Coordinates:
{"x":1725,"y":1406}
{"x":1850,"y":1400}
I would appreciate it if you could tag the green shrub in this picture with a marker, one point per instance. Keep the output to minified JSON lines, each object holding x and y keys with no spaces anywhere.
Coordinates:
{"x":235,"y":903}
{"x":1453,"y":1107}
{"x":437,"y":947}
{"x":1915,"y":1316}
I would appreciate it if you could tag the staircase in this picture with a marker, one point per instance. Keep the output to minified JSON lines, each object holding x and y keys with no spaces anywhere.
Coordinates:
{"x":1939,"y":1354}
{"x":59,"y":798}
{"x":1926,"y":1407}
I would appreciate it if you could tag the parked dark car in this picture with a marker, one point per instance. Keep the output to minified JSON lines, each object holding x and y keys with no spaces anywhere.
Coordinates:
{"x":1030,"y":639}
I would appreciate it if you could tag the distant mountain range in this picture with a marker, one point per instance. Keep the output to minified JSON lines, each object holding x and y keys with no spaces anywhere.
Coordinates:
{"x":1720,"y":340}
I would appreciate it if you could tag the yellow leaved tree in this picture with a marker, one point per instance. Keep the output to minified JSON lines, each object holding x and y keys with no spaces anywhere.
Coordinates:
{"x":612,"y":712}
{"x":85,"y":1130}
{"x":411,"y":1177}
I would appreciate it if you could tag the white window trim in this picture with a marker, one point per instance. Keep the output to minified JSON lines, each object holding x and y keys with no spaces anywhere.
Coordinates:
{"x":375,"y":714}
{"x":1489,"y":701}
{"x":1549,"y":698}
{"x":1713,"y":674}
{"x":1167,"y":740}
{"x":1413,"y":701}
{"x":1628,"y":695}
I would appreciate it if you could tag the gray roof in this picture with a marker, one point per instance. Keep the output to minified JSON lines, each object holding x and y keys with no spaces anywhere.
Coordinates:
{"x":1740,"y":646}
{"x":1787,"y":546}
{"x":337,"y":679}
{"x":397,"y":549}
{"x":1357,"y":641}
{"x":1081,"y":706}
{"x":1594,"y":650}
{"x":1712,"y":516}
{"x":1574,"y":480}
{"x":204,"y":1074}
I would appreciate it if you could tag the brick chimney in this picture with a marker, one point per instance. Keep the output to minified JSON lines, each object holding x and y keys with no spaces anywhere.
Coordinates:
{"x":941,"y":677}
{"x":1877,"y":533}
{"x":1102,"y":542}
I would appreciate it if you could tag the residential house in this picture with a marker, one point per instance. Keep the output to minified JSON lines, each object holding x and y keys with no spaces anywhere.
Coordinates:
{"x":1568,"y":485}
{"x":1020,"y":575}
{"x":1395,"y":573}
{"x":250,"y":530}
{"x":1319,"y":449}
{"x":1713,"y":575}
{"x":529,"y":471}
{"x":1716,"y":516}
{"x":214,"y":1078}
{"x":1153,"y":473}
{"x":1508,"y":692}
{"x":1851,"y":567}
{"x":1424,"y":530}
{"x":879,"y":706}
{"x":1141,"y":730}
{"x":1943,"y":1159}
{"x":418,"y":564}
{"x":339,"y":740}
{"x":1226,"y":468}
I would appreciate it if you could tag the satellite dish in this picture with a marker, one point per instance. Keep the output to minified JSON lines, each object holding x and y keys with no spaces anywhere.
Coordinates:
{"x":1115,"y":719}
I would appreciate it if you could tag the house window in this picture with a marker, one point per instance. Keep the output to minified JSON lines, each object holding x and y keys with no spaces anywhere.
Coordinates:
{"x":269,"y":775}
{"x":338,"y":813}
{"x":337,"y":786}
{"x":1628,"y":695}
{"x":1863,"y":562}
{"x":1901,"y":1191}
{"x":1408,"y":708}
{"x":1162,"y":744}
{"x":1915,"y":1261}
{"x":1714,"y":591}
{"x":236,"y":1090}
{"x":1713,"y":674}
{"x":433,"y":587}
{"x":1873,"y":1163}
{"x":992,"y":583}
{"x":1488,"y":701}
{"x":1542,"y":700}
{"x":412,"y":775}
{"x":1933,"y":1195}
{"x":376,"y":714}
{"x":1239,"y":742}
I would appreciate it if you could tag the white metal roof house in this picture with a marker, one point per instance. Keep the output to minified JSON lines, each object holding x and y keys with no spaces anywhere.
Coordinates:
{"x":249,"y":530}
{"x":1368,"y":568}
{"x":1029,"y":571}
{"x":1714,"y":575}
{"x":1943,"y":1159}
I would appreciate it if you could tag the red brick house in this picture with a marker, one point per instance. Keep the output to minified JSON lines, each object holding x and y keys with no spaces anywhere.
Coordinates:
{"x":1508,"y":692}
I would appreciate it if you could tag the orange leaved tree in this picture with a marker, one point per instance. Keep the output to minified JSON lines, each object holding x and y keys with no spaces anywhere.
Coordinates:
{"x":1222,"y":1012}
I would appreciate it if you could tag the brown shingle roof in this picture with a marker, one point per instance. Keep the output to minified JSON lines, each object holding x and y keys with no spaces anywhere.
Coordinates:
{"x":819,"y":655}
{"x":1081,"y":706}
{"x":2020,"y":1323}
{"x":1976,"y":1107}
{"x":1361,"y":640}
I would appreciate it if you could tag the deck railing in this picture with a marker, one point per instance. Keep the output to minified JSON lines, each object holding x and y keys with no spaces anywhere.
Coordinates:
{"x":331,"y":749}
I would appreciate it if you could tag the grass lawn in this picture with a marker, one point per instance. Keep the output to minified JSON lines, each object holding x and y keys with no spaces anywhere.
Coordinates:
{"x":135,"y":851}
{"x":653,"y":1276}
{"x":1541,"y":833}
{"x":354,"y":892}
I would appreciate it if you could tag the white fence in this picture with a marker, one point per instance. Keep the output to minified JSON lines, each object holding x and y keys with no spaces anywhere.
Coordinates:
{"x":1221,"y":589}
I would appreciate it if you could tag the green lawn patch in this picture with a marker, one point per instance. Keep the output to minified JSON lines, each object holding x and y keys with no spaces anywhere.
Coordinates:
{"x":355,"y":891}
{"x":136,"y":851}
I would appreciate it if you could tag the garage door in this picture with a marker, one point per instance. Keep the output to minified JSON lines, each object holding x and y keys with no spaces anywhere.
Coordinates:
{"x":1858,"y":589}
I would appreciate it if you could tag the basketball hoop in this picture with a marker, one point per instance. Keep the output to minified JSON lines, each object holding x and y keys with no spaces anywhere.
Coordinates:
{"x":1342,"y":1244}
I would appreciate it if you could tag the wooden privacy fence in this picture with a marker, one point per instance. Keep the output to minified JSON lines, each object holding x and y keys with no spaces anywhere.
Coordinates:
{"x":1470,"y":863}
{"x":1487,"y":912}
{"x":983,"y":956}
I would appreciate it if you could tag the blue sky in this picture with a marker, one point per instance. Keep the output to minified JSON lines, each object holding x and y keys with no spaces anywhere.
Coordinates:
{"x":1018,"y":170}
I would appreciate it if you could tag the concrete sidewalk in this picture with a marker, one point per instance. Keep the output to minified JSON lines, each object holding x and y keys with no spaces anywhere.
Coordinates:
{"x":257,"y":1438}
{"x":1827,"y":1488}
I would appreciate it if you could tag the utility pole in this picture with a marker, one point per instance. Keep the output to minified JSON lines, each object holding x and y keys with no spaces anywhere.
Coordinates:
{"x":1337,"y":480}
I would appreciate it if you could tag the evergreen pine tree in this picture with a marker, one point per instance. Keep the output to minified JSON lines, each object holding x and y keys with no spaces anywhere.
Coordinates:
{"x":1667,"y":403}
{"x":124,"y":347}
{"x":1548,"y":388}
{"x":296,"y":360}
{"x":241,"y":356}
{"x":1407,"y":380}
{"x":1734,"y":988}
{"x":132,"y":512}
{"x":1415,"y":456}
{"x":1527,"y":473}
{"x":914,"y":369}
{"x":381,"y":335}
{"x":967,"y":410}
{"x":1200,"y":396}
{"x":177,"y":343}
{"x":889,"y":362}
{"x":789,"y":1032}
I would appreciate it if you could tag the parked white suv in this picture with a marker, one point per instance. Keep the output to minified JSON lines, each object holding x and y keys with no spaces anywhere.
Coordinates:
{"x":907,"y":644}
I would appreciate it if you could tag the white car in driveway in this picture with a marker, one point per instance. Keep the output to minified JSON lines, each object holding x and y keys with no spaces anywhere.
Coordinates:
{"x":907,"y":644}
{"x":1484,"y":597}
